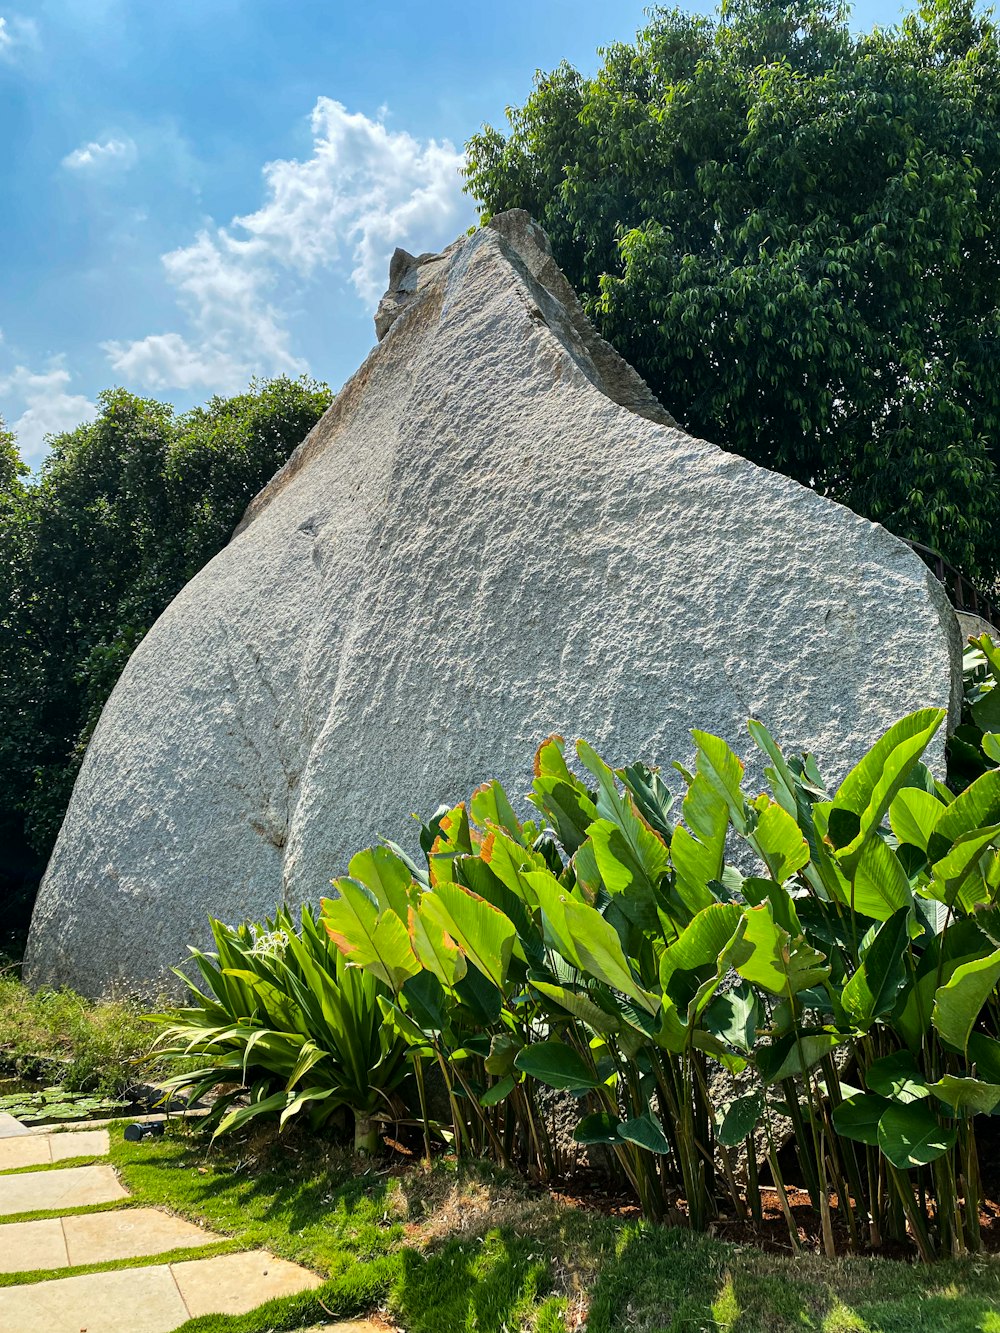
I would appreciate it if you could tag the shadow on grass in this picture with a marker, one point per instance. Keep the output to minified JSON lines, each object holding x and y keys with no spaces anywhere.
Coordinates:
{"x":661,"y":1280}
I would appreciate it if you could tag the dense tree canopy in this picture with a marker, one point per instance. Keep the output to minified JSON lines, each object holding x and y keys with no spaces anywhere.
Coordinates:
{"x":793,"y":232}
{"x":125,"y":511}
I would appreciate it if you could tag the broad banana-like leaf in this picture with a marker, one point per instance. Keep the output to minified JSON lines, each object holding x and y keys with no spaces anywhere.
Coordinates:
{"x":646,"y":1132}
{"x":652,"y":797}
{"x":858,"y":1117}
{"x":975,"y":808}
{"x":484,"y":933}
{"x":874,"y":988}
{"x":778,"y":839}
{"x":957,"y":879}
{"x":724,"y":771}
{"x":794,"y":1054}
{"x":388,"y":878}
{"x":879,"y":888}
{"x":557,"y":1065}
{"x":489,"y":805}
{"x":897,"y":1077}
{"x":962,"y":942}
{"x":600,"y":1127}
{"x":911,"y":1135}
{"x":367,"y":938}
{"x":966,"y":1095}
{"x":698,"y":855}
{"x":734,"y":1017}
{"x":435,"y":948}
{"x":738,"y":1119}
{"x":957,"y":1004}
{"x":512,"y":864}
{"x":769,"y":957}
{"x":567,"y":807}
{"x":498,"y":1092}
{"x":600,"y":952}
{"x":577,"y":1004}
{"x":913,"y":815}
{"x":699,"y":946}
{"x":866,"y":793}
{"x":631,"y":862}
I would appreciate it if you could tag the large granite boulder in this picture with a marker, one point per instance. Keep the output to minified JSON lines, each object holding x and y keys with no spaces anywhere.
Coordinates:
{"x":495,"y":532}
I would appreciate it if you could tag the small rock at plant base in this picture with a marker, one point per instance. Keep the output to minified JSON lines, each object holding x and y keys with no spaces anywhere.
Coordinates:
{"x":494,"y":533}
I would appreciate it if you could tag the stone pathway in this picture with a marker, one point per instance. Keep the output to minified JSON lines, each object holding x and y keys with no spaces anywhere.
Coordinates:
{"x":157,"y":1298}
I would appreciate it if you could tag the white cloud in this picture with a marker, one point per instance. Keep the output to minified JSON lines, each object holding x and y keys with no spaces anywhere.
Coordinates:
{"x":363,"y":190}
{"x":15,"y":32}
{"x":46,"y":407}
{"x":109,"y":153}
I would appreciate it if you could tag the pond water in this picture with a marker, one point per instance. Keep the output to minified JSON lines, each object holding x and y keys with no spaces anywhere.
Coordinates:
{"x":33,"y":1103}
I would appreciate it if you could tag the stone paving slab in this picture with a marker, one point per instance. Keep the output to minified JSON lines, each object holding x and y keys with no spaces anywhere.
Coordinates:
{"x":132,"y":1300}
{"x":25,"y":1246}
{"x":236,"y":1283}
{"x":69,"y":1187}
{"x":40,"y":1150}
{"x":128,"y":1233}
{"x":157,"y":1299}
{"x":11,"y":1128}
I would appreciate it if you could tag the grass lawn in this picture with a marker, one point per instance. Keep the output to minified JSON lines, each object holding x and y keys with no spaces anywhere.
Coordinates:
{"x":469,"y":1249}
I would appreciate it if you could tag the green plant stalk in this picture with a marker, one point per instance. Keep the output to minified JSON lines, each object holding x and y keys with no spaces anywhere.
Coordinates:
{"x":914,"y":1215}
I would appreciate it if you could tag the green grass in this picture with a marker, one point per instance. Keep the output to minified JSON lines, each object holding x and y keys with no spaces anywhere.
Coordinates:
{"x":471,"y":1249}
{"x":82,"y":1045}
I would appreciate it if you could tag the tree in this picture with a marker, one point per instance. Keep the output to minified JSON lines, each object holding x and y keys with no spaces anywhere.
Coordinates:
{"x":126,"y":510}
{"x":793,"y":233}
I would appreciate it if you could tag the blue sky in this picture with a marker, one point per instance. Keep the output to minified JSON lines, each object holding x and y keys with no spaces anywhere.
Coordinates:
{"x":195,"y":191}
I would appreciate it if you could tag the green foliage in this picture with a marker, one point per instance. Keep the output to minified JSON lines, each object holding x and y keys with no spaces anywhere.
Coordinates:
{"x":590,"y":952}
{"x":59,"y":1035}
{"x":126,"y":510}
{"x":465,"y":1247}
{"x":789,"y":229}
{"x":284,"y":1019}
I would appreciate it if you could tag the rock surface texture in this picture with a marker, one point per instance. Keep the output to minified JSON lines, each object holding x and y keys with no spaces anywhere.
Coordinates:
{"x":494,"y":533}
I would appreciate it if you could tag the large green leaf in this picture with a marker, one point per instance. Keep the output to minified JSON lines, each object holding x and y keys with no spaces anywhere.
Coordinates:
{"x":600,"y":952}
{"x":910,"y":1135}
{"x":484,"y":933}
{"x":700,"y":944}
{"x":600,"y":1127}
{"x":723,"y":770}
{"x":957,"y":1004}
{"x":858,"y":1117}
{"x":875,"y":986}
{"x":778,"y":839}
{"x":956,"y":875}
{"x":769,"y":957}
{"x":646,"y":1132}
{"x":367,"y":938}
{"x":865,"y":794}
{"x":913,"y":814}
{"x":975,"y":808}
{"x":387,"y":877}
{"x":568,"y":808}
{"x":738,"y":1119}
{"x":896,"y":1076}
{"x":879,"y":887}
{"x":489,"y":805}
{"x":794,"y":1054}
{"x":435,"y":948}
{"x":967,"y":1094}
{"x":577,"y":1004}
{"x":734,"y":1016}
{"x":557,"y":1065}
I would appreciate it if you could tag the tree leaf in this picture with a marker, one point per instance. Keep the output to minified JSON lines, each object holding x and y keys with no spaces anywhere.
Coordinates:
{"x":858,"y":1117}
{"x":910,"y":1135}
{"x":958,"y":1002}
{"x":557,"y":1065}
{"x":738,"y":1119}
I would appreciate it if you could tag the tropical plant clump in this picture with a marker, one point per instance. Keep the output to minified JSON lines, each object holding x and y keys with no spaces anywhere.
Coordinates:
{"x":284,"y":1016}
{"x":842,"y":978}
